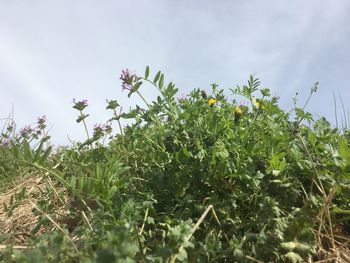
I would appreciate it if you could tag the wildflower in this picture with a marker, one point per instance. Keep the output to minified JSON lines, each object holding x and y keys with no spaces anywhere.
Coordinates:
{"x":41,"y":124}
{"x":26,"y":131}
{"x":42,"y":119}
{"x":112,"y":104}
{"x":211,"y":102}
{"x":11,"y":126}
{"x":5,"y":142}
{"x":258,"y":103}
{"x":238,"y":113}
{"x":38,"y":130}
{"x":99,"y":130}
{"x":128,"y":79}
{"x":80,"y":105}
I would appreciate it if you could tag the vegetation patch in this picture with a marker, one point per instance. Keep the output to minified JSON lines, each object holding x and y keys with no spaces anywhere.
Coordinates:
{"x":207,"y":177}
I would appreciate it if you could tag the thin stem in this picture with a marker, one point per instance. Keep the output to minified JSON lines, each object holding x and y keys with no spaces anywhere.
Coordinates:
{"x":85,"y":127}
{"x":313,"y":90}
{"x":162,"y":93}
{"x":140,"y":244}
{"x":119,"y":125}
{"x":251,"y":125}
{"x":144,"y":221}
{"x":335,"y":110}
{"x":121,"y":130}
{"x":144,"y":100}
{"x":346,"y":124}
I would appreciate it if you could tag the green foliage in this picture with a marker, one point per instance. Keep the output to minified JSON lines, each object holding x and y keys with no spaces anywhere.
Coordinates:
{"x":137,"y":197}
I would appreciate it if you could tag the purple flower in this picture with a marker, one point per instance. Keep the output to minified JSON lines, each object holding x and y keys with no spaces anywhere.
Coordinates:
{"x":26,"y":131}
{"x":42,"y":119}
{"x":126,"y":86}
{"x":126,"y":75}
{"x":99,"y":130}
{"x":11,"y":126}
{"x":128,"y":79}
{"x":41,"y":124}
{"x":99,"y":126}
{"x":38,"y":130}
{"x":5,"y":142}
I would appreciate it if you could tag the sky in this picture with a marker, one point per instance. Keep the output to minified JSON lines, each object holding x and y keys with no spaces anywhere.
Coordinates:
{"x":54,"y":51}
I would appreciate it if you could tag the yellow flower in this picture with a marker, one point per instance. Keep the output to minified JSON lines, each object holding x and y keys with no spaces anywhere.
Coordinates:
{"x":238,"y":113}
{"x":211,"y":102}
{"x":257,"y":103}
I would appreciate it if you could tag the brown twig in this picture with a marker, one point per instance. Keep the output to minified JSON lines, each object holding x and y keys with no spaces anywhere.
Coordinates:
{"x":195,"y":227}
{"x":54,"y":223}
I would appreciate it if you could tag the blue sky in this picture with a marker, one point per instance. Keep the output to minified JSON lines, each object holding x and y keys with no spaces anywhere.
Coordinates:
{"x":54,"y":51}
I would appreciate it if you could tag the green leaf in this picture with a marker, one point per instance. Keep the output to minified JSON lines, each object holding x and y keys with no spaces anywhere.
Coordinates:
{"x":106,"y":256}
{"x":156,"y":77}
{"x":182,"y":255}
{"x":265,"y":92}
{"x":293,"y":257}
{"x":28,"y":153}
{"x":112,"y":105}
{"x":337,"y":210}
{"x":344,"y":152}
{"x":73,"y":182}
{"x":82,"y":117}
{"x":45,"y":155}
{"x":161,"y":81}
{"x":147,"y":72}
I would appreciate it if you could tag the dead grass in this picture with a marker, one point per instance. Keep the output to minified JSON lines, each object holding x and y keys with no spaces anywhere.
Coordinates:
{"x":16,"y":227}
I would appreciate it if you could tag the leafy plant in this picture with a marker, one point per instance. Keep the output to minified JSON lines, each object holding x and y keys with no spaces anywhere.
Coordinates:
{"x":276,"y":181}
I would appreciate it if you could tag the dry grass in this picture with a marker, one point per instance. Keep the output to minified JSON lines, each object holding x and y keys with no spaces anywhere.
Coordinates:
{"x":16,"y":226}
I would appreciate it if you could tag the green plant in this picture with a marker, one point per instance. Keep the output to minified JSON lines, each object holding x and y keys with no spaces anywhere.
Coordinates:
{"x":276,"y":182}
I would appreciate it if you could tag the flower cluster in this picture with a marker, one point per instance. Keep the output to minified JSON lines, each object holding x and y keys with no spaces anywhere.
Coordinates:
{"x":101,"y":129}
{"x":5,"y":142}
{"x":128,"y":79}
{"x":26,"y":132}
{"x":112,"y":104}
{"x":41,"y":122}
{"x":80,"y":105}
{"x":11,"y":127}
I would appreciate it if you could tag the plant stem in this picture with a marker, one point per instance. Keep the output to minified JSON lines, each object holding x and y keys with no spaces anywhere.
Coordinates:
{"x":144,"y":100}
{"x":85,"y":127}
